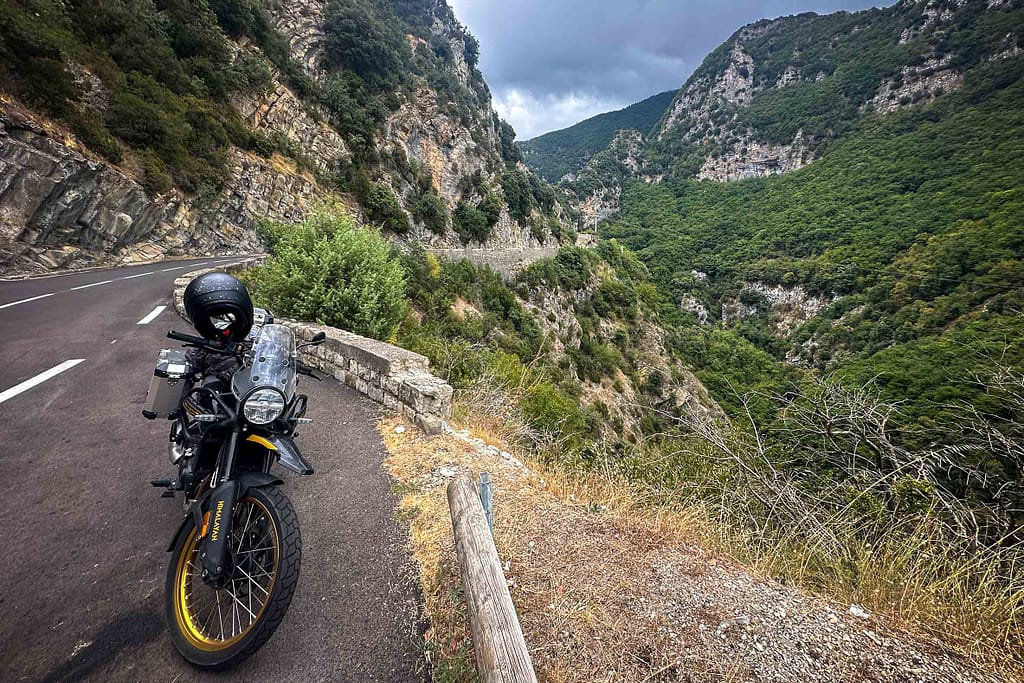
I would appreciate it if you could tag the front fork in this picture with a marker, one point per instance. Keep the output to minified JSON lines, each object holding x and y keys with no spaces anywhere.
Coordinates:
{"x":214,"y":553}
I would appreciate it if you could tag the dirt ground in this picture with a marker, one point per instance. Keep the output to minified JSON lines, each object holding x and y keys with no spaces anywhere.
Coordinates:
{"x":608,"y":591}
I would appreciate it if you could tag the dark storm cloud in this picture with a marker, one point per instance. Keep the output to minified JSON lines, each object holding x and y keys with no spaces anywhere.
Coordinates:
{"x":551,"y":63}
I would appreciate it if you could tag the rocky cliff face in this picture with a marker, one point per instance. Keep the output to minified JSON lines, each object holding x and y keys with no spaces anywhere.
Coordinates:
{"x":656,"y":379}
{"x":598,"y":186}
{"x":61,"y":205}
{"x":770,"y":99}
{"x":421,"y":130}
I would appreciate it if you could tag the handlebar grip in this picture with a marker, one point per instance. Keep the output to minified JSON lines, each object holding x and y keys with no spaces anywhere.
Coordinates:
{"x":201,"y":343}
{"x":187,"y":338}
{"x":304,"y":369}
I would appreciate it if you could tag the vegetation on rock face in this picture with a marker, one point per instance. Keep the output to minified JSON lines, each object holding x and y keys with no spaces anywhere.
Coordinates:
{"x":152,"y":77}
{"x":333,"y":272}
{"x":149,"y":85}
{"x":478,"y":330}
{"x":559,"y":152}
{"x":859,"y":320}
{"x":816,"y":75}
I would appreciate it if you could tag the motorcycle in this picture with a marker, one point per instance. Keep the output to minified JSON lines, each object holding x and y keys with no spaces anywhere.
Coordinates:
{"x":235,"y":557}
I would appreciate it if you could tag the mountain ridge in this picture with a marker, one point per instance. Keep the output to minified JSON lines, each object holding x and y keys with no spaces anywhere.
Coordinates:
{"x":561,"y":152}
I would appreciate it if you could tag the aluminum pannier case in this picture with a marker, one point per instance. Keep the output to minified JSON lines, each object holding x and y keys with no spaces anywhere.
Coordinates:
{"x":171,"y":378}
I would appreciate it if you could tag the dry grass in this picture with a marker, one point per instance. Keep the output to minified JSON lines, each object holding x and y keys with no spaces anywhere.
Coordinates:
{"x":548,"y":536}
{"x":612,"y":588}
{"x":917,"y":584}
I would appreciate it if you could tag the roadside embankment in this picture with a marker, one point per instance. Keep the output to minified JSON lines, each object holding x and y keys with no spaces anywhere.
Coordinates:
{"x":609,"y":589}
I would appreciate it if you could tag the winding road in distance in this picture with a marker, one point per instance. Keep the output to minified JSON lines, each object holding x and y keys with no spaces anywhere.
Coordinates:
{"x":84,"y":534}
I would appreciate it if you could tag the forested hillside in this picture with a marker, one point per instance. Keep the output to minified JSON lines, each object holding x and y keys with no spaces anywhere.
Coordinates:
{"x":833,"y":209}
{"x":907,"y":235}
{"x":772,"y":97}
{"x":559,"y":152}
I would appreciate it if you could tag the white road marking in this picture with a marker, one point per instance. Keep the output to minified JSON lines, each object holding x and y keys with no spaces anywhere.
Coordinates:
{"x":91,"y":284}
{"x":39,"y":379}
{"x":105,"y":282}
{"x":25,"y":301}
{"x":152,"y":315}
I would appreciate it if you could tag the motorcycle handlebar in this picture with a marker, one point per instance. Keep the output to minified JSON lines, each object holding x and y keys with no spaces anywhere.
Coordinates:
{"x":187,"y":338}
{"x":198,"y":341}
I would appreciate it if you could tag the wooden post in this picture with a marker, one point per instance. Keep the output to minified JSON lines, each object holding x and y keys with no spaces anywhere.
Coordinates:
{"x":498,"y":643}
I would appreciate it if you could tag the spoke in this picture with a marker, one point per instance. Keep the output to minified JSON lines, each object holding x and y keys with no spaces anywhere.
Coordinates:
{"x":254,"y":550}
{"x":242,"y":605}
{"x":247,"y":520}
{"x":209,"y":621}
{"x":253,"y":581}
{"x":259,"y":602}
{"x":234,"y":614}
{"x":264,"y":575}
{"x":267,"y":529}
{"x":221,"y":616}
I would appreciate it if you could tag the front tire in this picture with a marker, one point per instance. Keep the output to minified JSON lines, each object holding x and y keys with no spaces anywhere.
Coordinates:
{"x":217,"y":629}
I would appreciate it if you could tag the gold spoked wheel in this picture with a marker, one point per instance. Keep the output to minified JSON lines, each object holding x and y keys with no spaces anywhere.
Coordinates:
{"x":214,"y":620}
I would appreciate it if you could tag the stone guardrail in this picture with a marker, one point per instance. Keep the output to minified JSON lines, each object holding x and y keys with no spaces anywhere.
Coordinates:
{"x":398,"y":379}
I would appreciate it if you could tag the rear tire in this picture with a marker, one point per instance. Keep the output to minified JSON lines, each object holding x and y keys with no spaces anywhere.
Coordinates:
{"x":217,"y":629}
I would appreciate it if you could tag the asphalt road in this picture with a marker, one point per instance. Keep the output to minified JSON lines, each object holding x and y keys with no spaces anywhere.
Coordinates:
{"x":84,"y":535}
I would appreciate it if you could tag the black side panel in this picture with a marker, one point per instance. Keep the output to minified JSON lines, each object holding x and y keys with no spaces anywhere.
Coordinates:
{"x":289,"y":454}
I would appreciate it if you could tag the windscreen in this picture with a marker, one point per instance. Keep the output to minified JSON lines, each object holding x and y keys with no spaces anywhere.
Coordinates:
{"x":271,"y":363}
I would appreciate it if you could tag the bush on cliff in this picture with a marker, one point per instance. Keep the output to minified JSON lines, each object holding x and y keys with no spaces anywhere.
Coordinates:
{"x":331,"y":271}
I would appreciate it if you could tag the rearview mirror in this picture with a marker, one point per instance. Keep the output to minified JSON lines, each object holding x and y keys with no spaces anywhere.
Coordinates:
{"x":318,"y":339}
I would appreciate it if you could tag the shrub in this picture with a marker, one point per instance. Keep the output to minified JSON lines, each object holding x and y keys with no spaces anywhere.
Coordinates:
{"x":470,"y":222}
{"x":382,"y":207}
{"x":154,"y":174}
{"x":431,"y":211}
{"x":330,"y":271}
{"x":491,"y":207}
{"x":518,"y":196}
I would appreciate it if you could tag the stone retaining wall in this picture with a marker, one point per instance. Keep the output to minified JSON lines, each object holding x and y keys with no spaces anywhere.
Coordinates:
{"x":507,"y":262}
{"x":398,"y":379}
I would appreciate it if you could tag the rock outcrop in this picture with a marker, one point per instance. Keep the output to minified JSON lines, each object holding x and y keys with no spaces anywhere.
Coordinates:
{"x":919,"y":84}
{"x":703,"y":115}
{"x":788,"y":307}
{"x":730,"y":121}
{"x":280,"y":111}
{"x":422,"y":130}
{"x":598,"y":186}
{"x":59,"y":207}
{"x":657,"y":379}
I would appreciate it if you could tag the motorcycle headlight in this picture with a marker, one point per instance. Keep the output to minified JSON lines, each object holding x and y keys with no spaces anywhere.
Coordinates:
{"x":263,"y":406}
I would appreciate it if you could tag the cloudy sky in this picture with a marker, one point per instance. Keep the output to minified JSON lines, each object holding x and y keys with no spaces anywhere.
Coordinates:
{"x":551,"y":63}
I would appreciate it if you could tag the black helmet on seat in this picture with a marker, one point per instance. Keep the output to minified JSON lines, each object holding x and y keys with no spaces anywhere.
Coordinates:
{"x":219,"y":307}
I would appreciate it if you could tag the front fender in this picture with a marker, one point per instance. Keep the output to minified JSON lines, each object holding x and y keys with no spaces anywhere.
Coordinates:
{"x":244,"y":481}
